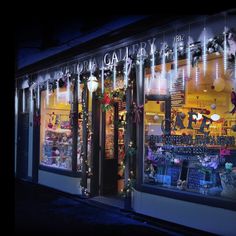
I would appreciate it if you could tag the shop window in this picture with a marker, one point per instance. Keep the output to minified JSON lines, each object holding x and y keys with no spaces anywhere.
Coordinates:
{"x":56,"y":130}
{"x":191,"y":146}
{"x":80,"y":132}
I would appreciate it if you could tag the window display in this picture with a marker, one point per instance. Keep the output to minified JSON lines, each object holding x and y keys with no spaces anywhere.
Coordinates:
{"x":191,"y":145}
{"x":55,"y":130}
{"x":121,"y":145}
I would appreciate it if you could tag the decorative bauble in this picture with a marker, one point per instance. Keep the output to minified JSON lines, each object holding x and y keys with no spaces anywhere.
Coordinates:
{"x":233,"y":128}
{"x":219,"y":85}
{"x":156,"y":117}
{"x":213,"y":106}
{"x":182,"y":115}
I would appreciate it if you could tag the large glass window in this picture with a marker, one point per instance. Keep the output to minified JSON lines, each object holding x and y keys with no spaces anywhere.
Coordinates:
{"x":190,"y":143}
{"x":55,"y":130}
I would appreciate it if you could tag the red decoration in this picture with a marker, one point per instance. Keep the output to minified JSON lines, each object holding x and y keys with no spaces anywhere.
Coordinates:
{"x":212,"y":87}
{"x":106,"y":99}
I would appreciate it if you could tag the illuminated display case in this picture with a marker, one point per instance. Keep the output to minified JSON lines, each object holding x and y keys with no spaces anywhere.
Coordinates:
{"x":191,"y":154}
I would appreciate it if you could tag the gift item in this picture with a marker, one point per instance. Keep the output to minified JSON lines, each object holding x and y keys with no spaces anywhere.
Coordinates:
{"x":228,"y":182}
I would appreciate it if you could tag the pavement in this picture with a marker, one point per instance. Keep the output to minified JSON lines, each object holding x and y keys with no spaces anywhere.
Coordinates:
{"x":41,"y":210}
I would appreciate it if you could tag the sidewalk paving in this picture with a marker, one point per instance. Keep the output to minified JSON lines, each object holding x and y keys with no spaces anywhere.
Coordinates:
{"x":39,"y":209}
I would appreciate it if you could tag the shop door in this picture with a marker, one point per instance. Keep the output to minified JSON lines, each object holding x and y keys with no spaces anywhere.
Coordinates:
{"x":109,"y":152}
{"x":22,"y":146}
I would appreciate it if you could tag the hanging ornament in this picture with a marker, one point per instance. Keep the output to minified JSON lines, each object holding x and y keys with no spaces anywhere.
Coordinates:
{"x":156,"y":117}
{"x":213,"y":106}
{"x":233,"y":128}
{"x":182,"y":115}
{"x":219,"y":85}
{"x":23,"y":100}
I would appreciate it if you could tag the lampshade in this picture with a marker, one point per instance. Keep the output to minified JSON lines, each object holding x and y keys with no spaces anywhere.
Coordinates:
{"x":92,"y":84}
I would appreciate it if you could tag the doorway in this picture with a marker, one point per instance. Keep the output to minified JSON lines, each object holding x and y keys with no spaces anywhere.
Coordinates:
{"x":112,"y":150}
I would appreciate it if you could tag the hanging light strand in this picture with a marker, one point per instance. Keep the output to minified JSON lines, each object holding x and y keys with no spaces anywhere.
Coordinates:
{"x":68,"y":90}
{"x":16,"y":102}
{"x":163,"y":69}
{"x":196,"y":75}
{"x":189,"y":58}
{"x":235,"y":66}
{"x":114,"y":76}
{"x":204,"y":52}
{"x":38,"y":97}
{"x":225,"y":51}
{"x":217,"y":71}
{"x":176,"y":59}
{"x":126,"y":67}
{"x":23,"y":100}
{"x":153,"y":63}
{"x":31,"y":100}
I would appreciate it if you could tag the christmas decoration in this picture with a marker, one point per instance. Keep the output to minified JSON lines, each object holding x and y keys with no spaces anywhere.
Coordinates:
{"x":233,"y":128}
{"x":105,"y":102}
{"x":156,"y":117}
{"x":233,"y":101}
{"x":213,"y":106}
{"x":219,"y":84}
{"x":137,"y":111}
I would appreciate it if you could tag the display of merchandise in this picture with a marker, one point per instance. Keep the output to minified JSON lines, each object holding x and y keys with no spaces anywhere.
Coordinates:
{"x":57,"y":142}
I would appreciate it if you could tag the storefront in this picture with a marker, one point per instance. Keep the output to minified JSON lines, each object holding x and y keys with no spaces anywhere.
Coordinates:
{"x":151,"y":119}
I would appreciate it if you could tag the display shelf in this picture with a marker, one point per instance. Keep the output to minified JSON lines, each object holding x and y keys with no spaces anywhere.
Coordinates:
{"x":59,"y":130}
